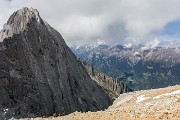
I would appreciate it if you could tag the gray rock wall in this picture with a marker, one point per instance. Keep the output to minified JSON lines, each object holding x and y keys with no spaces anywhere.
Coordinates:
{"x":39,"y":75}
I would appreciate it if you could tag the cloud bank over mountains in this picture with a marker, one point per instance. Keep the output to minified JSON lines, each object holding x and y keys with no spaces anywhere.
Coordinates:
{"x":85,"y":21}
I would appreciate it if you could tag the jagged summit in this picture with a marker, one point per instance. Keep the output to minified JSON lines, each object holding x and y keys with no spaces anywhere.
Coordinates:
{"x":39,"y":74}
{"x":24,"y":15}
{"x":18,"y":22}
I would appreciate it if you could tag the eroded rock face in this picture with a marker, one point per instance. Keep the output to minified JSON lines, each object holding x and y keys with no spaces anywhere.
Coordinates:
{"x":39,"y":75}
{"x":113,"y":87}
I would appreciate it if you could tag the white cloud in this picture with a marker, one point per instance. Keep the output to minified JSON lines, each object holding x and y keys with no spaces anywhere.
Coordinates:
{"x":110,"y":20}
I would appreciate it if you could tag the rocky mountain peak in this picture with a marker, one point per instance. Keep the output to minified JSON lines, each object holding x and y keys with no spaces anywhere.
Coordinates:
{"x":39,"y":74}
{"x":18,"y":22}
{"x":24,"y":15}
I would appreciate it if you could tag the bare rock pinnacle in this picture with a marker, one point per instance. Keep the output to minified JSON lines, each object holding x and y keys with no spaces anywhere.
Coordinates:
{"x":39,"y":75}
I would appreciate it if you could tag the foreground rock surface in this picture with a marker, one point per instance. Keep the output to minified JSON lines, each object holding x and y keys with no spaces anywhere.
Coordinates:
{"x":39,"y":75}
{"x":155,"y":104}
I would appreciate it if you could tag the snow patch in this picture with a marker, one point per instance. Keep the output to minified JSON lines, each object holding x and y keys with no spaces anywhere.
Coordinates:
{"x":97,"y":43}
{"x":128,"y":45}
{"x":149,"y":67}
{"x":100,"y":42}
{"x":167,"y":94}
{"x":141,"y":98}
{"x":152,"y":44}
{"x":77,"y":47}
{"x":136,"y":53}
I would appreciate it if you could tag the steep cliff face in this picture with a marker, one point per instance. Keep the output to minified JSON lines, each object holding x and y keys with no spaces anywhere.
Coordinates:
{"x":39,"y":75}
{"x":112,"y":86}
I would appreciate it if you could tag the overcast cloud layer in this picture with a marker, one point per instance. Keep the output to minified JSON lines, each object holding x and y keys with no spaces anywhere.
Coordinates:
{"x":85,"y":21}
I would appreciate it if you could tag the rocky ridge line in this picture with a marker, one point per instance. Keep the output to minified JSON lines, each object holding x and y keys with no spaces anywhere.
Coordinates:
{"x":112,"y":86}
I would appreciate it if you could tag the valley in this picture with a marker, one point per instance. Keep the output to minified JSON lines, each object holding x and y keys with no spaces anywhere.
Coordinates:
{"x":140,"y":66}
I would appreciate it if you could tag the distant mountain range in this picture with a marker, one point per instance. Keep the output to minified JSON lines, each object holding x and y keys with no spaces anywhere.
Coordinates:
{"x":144,"y":66}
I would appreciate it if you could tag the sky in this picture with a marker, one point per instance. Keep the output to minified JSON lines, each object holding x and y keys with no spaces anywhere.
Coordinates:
{"x":109,"y":21}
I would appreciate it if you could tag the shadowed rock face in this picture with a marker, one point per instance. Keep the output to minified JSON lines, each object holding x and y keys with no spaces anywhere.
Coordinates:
{"x":39,"y":75}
